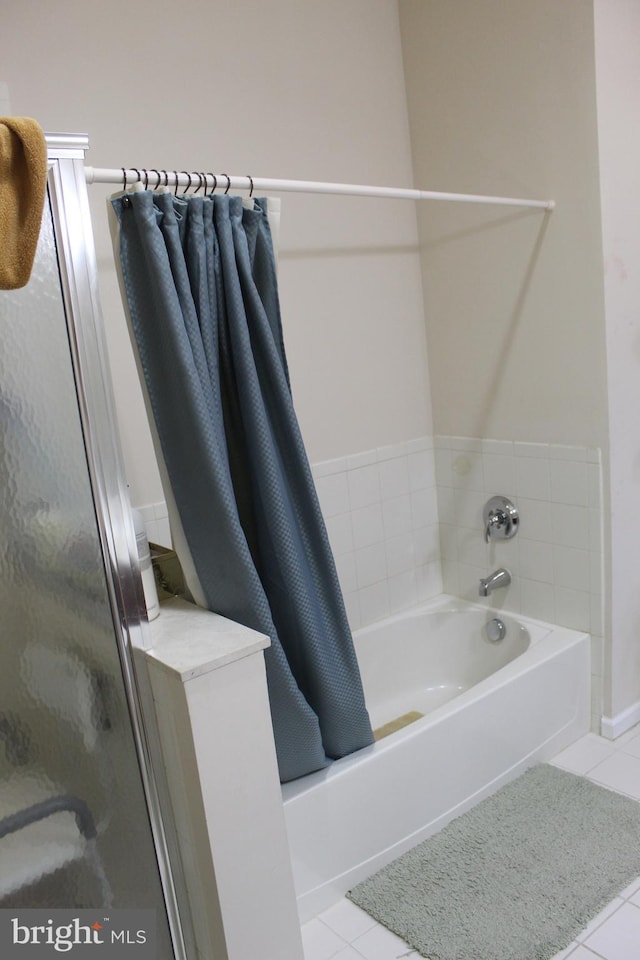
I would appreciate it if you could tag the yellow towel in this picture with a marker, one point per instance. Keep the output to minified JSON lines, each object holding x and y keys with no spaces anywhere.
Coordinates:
{"x":23,"y":179}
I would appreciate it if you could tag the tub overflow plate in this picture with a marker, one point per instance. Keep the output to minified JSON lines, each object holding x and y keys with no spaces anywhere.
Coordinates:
{"x":495,"y":630}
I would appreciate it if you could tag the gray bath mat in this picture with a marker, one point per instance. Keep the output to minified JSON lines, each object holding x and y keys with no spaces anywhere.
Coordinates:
{"x":517,"y":877}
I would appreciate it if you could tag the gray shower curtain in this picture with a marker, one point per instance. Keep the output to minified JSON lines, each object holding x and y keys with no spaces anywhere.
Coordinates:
{"x":200,"y":282}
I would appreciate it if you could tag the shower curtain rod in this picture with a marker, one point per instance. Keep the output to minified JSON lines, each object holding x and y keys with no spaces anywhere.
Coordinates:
{"x":208,"y":181}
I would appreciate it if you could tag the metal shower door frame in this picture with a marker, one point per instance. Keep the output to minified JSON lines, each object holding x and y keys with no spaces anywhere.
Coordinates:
{"x":79,"y":283}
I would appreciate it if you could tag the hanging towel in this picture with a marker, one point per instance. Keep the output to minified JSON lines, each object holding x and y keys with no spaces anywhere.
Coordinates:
{"x":23,"y":178}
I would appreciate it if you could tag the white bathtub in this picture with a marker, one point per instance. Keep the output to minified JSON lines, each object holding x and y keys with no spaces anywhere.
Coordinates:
{"x":491,"y":711}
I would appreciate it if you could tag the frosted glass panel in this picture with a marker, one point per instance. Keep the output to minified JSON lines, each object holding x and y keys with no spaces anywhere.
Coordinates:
{"x":74,"y":829}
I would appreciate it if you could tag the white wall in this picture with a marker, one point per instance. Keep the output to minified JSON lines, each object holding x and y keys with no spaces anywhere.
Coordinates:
{"x":617,"y":27}
{"x":291,"y":88}
{"x":502,"y":101}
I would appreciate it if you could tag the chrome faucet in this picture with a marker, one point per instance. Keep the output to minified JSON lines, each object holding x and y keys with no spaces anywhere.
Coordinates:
{"x":499,"y":578}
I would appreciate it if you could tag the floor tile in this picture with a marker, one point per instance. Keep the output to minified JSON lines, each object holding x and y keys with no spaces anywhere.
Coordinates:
{"x":582,"y":953}
{"x":631,"y":746}
{"x":380,"y":944}
{"x":628,"y":892}
{"x":319,"y":942}
{"x":347,"y":920}
{"x":620,"y":772}
{"x":599,"y":919}
{"x":566,"y":954}
{"x":585,"y":754}
{"x":619,"y":936}
{"x":350,"y":953}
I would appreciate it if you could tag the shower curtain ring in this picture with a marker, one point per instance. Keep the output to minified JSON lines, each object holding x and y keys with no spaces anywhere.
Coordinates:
{"x":146,"y":179}
{"x":124,"y":178}
{"x":166,"y":178}
{"x":215,"y":183}
{"x":199,"y":176}
{"x":228,"y":182}
{"x":137,"y":172}
{"x":251,"y":182}
{"x":157,"y":173}
{"x":187,"y":174}
{"x":175,"y":192}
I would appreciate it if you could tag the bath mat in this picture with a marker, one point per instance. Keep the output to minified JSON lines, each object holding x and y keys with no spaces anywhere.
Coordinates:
{"x":518,"y":877}
{"x":380,"y":732}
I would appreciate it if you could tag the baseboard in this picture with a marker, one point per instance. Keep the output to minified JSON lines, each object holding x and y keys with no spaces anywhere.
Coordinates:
{"x":614,"y":727}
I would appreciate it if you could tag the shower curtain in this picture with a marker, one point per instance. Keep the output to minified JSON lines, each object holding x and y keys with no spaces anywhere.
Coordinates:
{"x":200,"y":283}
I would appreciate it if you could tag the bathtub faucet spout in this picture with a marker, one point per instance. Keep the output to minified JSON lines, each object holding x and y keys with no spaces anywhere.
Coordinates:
{"x":499,"y":578}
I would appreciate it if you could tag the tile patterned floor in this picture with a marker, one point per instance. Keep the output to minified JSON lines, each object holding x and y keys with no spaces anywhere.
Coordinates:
{"x":344,"y":932}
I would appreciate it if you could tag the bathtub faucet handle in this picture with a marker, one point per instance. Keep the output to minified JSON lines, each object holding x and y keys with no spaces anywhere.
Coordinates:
{"x":495,"y":520}
{"x":500,"y":519}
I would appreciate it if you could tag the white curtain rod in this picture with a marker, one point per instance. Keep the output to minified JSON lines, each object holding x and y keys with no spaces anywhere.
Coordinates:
{"x":223,"y":182}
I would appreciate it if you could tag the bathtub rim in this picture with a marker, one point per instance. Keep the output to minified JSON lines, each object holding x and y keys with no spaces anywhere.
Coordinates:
{"x":546,"y":641}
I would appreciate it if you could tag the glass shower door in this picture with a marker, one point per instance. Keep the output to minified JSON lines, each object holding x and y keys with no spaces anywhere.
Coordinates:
{"x":75,"y":827}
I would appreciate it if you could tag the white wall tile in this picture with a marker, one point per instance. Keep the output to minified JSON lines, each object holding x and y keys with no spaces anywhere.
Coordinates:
{"x":450,"y":577}
{"x":536,"y":560}
{"x":468,"y":506}
{"x":538,"y":450}
{"x":444,"y":474}
{"x":352,"y":606}
{"x":448,"y":541}
{"x":397,"y":517}
{"x":401,"y":554}
{"x":499,"y":475}
{"x":346,"y":570}
{"x":570,"y":525}
{"x":363,"y":486}
{"x":403,"y":591}
{"x":333,"y":494}
{"x":537,"y":599}
{"x":394,"y":477}
{"x":471,"y":547}
{"x":427,"y":544}
{"x":388,"y":533}
{"x":340,"y":533}
{"x":374,"y":602}
{"x":569,"y":482}
{"x":571,"y":568}
{"x":422,"y":469}
{"x":371,"y":564}
{"x":572,"y":608}
{"x":403,"y":537}
{"x":393,"y":451}
{"x":499,"y":448}
{"x":446,"y":498}
{"x":535,"y":519}
{"x":367,"y":525}
{"x":419,"y":444}
{"x":532,"y":478}
{"x":429,"y":581}
{"x":363,"y":459}
{"x":466,"y":470}
{"x":424,"y":507}
{"x":328,"y":467}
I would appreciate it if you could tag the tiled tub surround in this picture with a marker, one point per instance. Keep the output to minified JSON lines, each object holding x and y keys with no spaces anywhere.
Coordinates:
{"x":555,"y":559}
{"x":381,"y":512}
{"x":156,"y":521}
{"x":405,"y":524}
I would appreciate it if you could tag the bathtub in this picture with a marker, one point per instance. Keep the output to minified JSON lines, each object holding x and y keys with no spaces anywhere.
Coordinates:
{"x":490,"y":710}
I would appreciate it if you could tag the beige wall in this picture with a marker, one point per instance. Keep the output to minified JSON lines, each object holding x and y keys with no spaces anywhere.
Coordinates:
{"x":283,"y":89}
{"x":502,"y":101}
